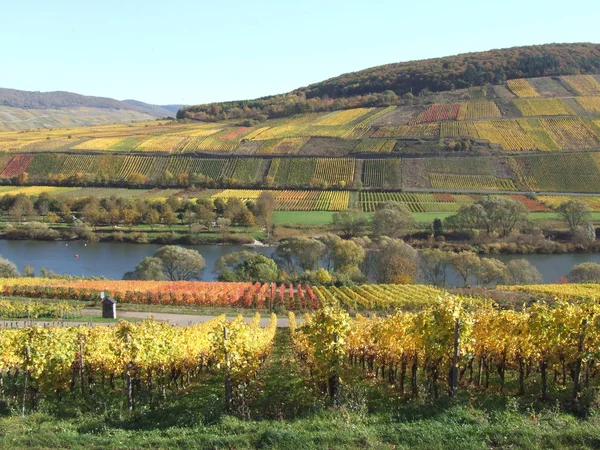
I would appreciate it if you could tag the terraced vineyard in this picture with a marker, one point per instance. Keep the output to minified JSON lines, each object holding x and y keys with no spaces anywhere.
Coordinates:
{"x":384,"y":173}
{"x":568,"y":173}
{"x":294,"y":200}
{"x":521,"y":88}
{"x":378,"y":297}
{"x":313,"y":151}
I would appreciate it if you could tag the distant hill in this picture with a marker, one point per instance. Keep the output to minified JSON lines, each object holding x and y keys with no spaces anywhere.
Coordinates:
{"x":25,"y":109}
{"x":385,"y":85}
{"x":155,"y":110}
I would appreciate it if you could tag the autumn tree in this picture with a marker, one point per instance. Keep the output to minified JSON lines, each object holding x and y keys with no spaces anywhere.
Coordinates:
{"x":265,"y":207}
{"x":574,"y":212}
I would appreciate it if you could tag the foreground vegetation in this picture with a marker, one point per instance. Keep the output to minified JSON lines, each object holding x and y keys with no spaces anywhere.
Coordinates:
{"x":286,"y":406}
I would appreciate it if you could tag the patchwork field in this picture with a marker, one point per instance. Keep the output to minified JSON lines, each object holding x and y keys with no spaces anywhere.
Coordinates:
{"x":536,"y":134}
{"x":560,"y":114}
{"x":550,"y":172}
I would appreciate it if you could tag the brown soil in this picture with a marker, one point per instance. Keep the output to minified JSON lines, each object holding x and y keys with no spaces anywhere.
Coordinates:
{"x":248,"y":148}
{"x":503,"y":93}
{"x":414,"y":173}
{"x":400,"y":116}
{"x":549,"y":87}
{"x":327,"y":147}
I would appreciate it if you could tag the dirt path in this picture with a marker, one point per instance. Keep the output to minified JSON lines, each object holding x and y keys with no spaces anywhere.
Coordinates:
{"x":179,"y":319}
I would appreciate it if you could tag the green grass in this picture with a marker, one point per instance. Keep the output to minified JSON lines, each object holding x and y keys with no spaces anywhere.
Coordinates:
{"x":427,"y":217}
{"x":303,"y":217}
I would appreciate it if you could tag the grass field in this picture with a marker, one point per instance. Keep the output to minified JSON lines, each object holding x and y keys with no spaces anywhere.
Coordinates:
{"x":303,"y":217}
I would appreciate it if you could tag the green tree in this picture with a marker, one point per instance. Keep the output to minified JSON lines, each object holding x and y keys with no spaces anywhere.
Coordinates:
{"x":350,"y":223}
{"x":246,"y":266}
{"x":299,"y":254}
{"x":491,"y":214}
{"x":347,"y":256}
{"x":575,"y":213}
{"x":392,"y":219}
{"x":438,"y":227}
{"x":150,"y":268}
{"x":180,"y":263}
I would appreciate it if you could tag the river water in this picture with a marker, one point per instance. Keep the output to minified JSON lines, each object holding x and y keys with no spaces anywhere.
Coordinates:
{"x":112,"y":260}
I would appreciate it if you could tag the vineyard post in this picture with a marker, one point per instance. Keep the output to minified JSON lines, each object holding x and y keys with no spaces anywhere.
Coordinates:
{"x":580,"y":349}
{"x":129,"y":386}
{"x":27,"y":358}
{"x":334,"y":379}
{"x":81,"y":370}
{"x":455,"y":358}
{"x":228,"y":389}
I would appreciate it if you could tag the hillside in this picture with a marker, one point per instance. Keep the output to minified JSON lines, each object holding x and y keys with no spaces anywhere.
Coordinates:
{"x":385,"y":85}
{"x":22,"y":110}
{"x":529,"y":134}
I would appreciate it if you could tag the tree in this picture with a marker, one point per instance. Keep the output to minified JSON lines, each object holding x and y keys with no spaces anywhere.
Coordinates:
{"x":220,"y":206}
{"x":588,"y":272}
{"x":205,"y":212}
{"x":434,"y":265}
{"x":350,"y":223}
{"x":151,"y":217}
{"x":347,"y":256}
{"x":180,"y":263}
{"x":265,"y":206}
{"x":491,"y":214}
{"x":491,"y":271}
{"x":52,"y":217}
{"x":223,"y":224}
{"x":8,"y":269}
{"x":169,"y":218}
{"x":150,"y":268}
{"x":299,"y":254}
{"x":391,"y":261}
{"x":465,"y":263}
{"x":438,"y":227}
{"x":584,"y":234}
{"x":392,"y":219}
{"x":521,"y":271}
{"x":189,"y":218}
{"x":93,"y":214}
{"x":246,"y":266}
{"x":28,"y":271}
{"x":574,"y":212}
{"x":329,"y":240}
{"x":129,"y":217}
{"x":22,"y":207}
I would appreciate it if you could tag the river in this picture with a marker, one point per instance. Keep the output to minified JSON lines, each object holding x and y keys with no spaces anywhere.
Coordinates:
{"x":112,"y":260}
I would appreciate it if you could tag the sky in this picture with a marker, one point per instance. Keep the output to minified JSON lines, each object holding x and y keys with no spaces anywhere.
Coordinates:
{"x":191,"y":52}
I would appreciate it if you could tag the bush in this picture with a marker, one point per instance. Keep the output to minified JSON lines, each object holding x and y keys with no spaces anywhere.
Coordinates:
{"x":138,"y":237}
{"x":585,"y":273}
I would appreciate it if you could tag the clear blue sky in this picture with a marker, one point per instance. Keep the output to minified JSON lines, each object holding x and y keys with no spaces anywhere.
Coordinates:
{"x":195,"y":52}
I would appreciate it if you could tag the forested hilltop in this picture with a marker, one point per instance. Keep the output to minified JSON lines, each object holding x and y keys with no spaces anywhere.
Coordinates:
{"x":386,"y":85}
